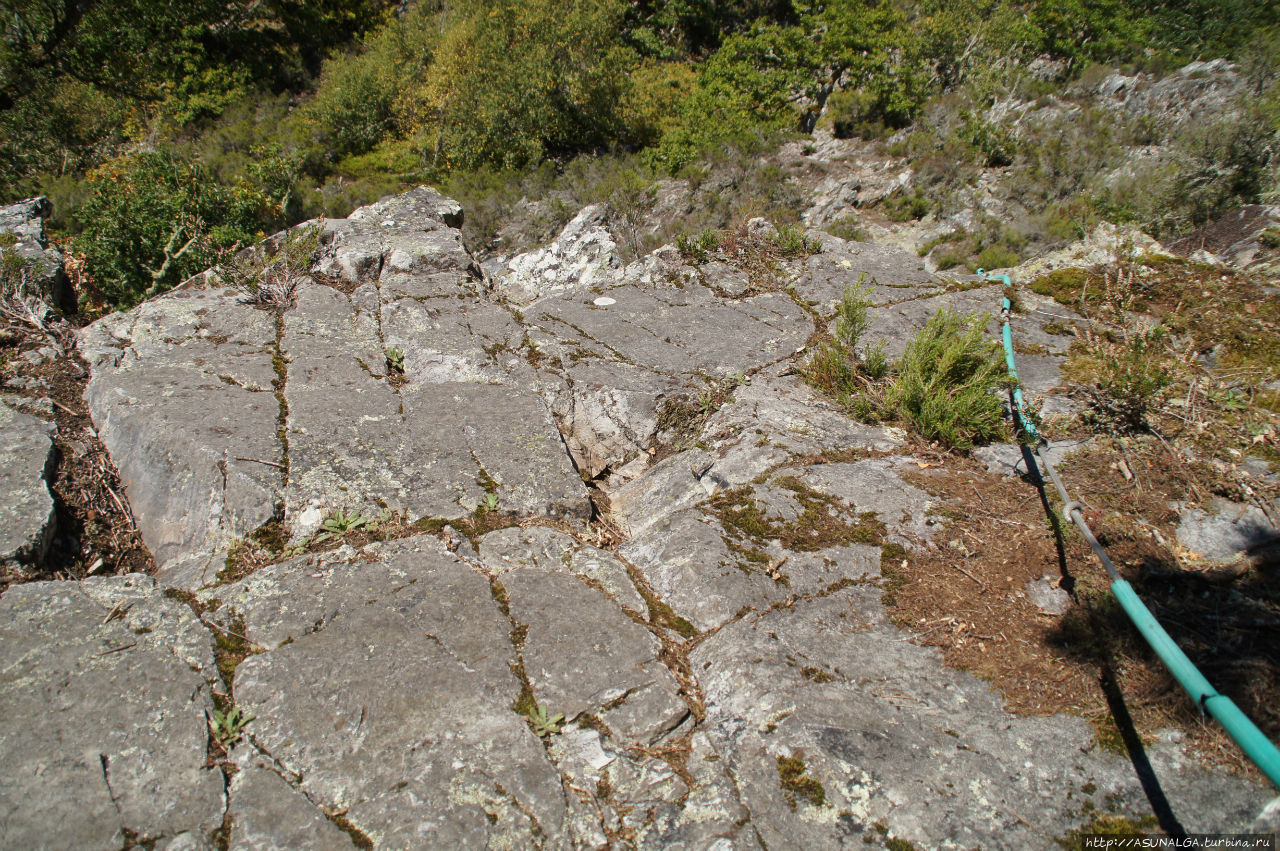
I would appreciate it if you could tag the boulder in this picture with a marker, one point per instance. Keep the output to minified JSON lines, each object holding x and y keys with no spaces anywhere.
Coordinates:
{"x":46,"y":276}
{"x":582,"y":256}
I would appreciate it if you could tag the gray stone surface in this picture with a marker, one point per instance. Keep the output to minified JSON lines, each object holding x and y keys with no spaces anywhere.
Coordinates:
{"x":104,"y":687}
{"x":725,"y":683}
{"x":891,"y":274}
{"x":1048,"y":594}
{"x":897,"y":323}
{"x":387,"y":688}
{"x":874,"y":485}
{"x":1232,"y":529}
{"x":26,"y":506}
{"x":583,"y":256}
{"x":774,"y":419}
{"x":411,"y":240}
{"x":1008,"y":459}
{"x":675,"y":331}
{"x":893,"y":737}
{"x":267,"y":814}
{"x":707,"y":577}
{"x":46,"y":277}
{"x":609,"y":413}
{"x":610,"y":367}
{"x":549,"y":550}
{"x":454,"y":340}
{"x":429,"y":449}
{"x":583,"y":655}
{"x":670,"y":485}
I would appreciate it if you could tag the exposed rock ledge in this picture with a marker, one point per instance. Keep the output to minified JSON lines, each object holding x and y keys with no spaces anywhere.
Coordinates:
{"x":716,"y":692}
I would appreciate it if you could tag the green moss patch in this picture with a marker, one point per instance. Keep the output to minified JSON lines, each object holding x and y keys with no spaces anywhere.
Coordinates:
{"x":798,"y":784}
{"x":824,"y":522}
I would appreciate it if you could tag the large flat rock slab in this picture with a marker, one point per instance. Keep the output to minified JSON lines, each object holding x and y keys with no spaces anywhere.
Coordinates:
{"x":896,"y":323}
{"x":775,"y":419}
{"x":386,"y":692}
{"x":388,"y":385}
{"x":698,"y":658}
{"x":181,"y":391}
{"x":709,"y":577}
{"x":889,"y":274}
{"x":552,"y":550}
{"x":614,"y":364}
{"x":454,"y":340}
{"x":582,"y":654}
{"x":674,"y":331}
{"x":267,"y":813}
{"x":26,"y":506}
{"x":359,"y":442}
{"x":837,"y":728}
{"x":104,"y":688}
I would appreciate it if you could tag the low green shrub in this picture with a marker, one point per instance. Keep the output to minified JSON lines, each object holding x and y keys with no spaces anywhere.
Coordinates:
{"x":996,"y":146}
{"x":944,"y":386}
{"x":153,"y":220}
{"x":996,"y":257}
{"x":947,"y":381}
{"x":903,"y":207}
{"x":1126,"y":365}
{"x":846,"y":227}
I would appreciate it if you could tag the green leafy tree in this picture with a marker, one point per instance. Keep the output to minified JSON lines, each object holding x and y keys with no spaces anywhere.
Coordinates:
{"x":153,"y":220}
{"x":750,"y":86}
{"x":1080,"y":30}
{"x":672,"y":29}
{"x":516,"y":80}
{"x":196,"y":54}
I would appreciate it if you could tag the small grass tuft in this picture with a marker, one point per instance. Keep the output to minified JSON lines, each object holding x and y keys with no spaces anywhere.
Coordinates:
{"x":270,"y":276}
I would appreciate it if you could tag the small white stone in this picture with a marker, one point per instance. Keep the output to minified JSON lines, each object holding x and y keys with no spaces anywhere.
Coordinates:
{"x":604,"y":301}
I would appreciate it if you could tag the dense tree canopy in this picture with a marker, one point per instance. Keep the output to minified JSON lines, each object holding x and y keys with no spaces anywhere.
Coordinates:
{"x":290,"y":101}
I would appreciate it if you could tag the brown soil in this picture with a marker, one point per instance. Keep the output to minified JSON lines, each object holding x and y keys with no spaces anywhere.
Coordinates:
{"x":967,"y":596}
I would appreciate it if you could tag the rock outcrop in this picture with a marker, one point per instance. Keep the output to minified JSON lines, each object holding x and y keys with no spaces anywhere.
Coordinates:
{"x":23,"y":223}
{"x":582,"y":256}
{"x":713,"y":667}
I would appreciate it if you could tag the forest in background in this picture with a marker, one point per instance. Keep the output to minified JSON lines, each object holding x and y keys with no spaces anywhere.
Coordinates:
{"x":168,"y":134}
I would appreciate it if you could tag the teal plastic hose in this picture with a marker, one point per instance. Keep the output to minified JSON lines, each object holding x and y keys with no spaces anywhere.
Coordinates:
{"x":1007,"y":333}
{"x":1246,"y":734}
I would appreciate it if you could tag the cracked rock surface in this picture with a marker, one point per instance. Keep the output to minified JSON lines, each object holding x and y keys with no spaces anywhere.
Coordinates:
{"x":619,"y":583}
{"x":111,"y":681}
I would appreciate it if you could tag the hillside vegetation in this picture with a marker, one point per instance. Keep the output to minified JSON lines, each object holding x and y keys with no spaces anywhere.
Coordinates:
{"x":167,"y":134}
